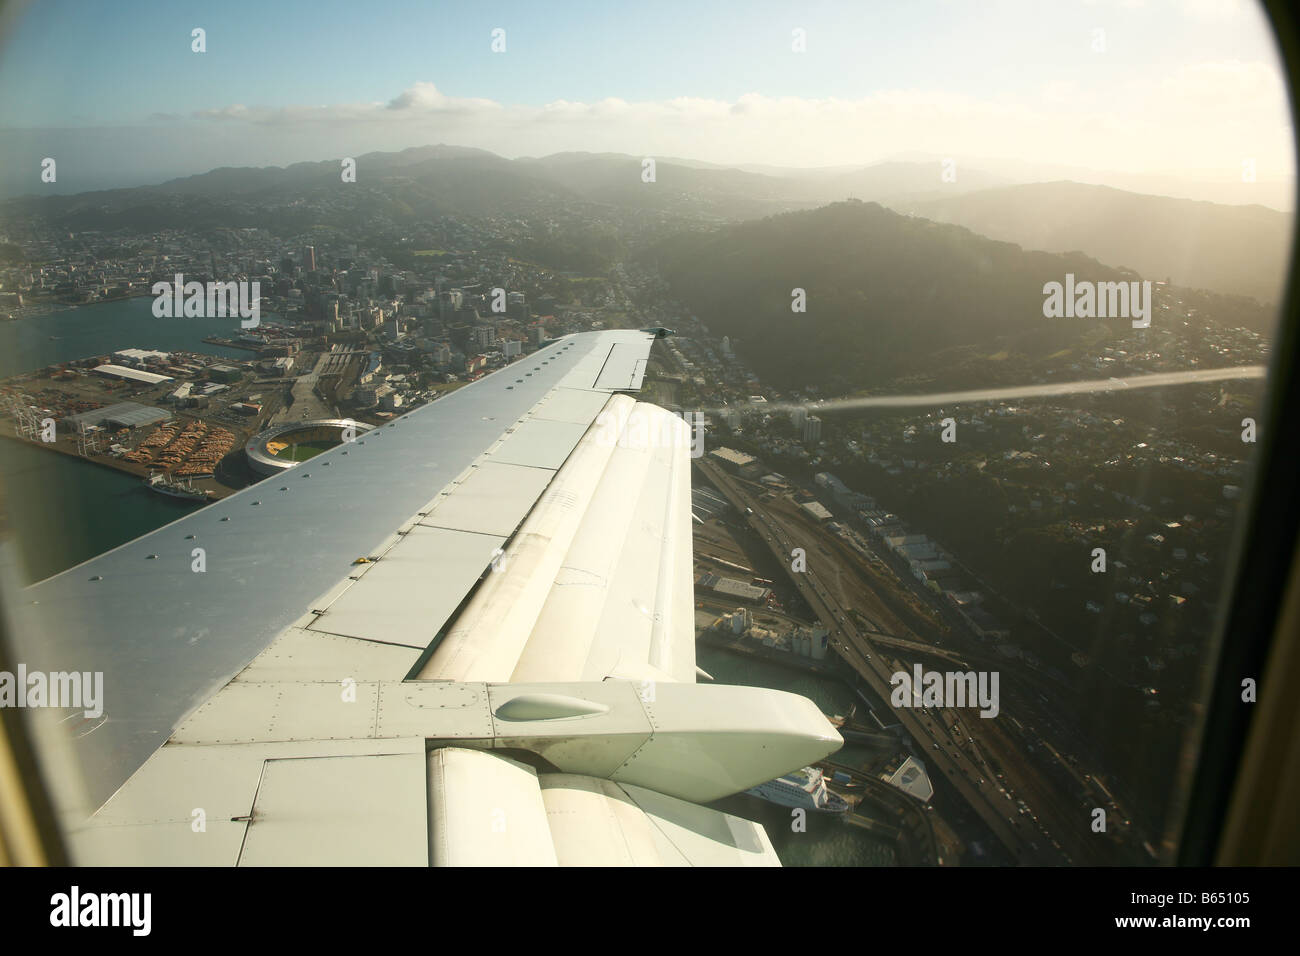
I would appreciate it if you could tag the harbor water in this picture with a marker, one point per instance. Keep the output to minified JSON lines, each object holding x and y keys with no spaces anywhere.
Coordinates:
{"x":62,"y":510}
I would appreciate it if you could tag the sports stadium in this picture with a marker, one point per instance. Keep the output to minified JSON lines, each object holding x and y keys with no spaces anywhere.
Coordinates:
{"x":282,"y":446}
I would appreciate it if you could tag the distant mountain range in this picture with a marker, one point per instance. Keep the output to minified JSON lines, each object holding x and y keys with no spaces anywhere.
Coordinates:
{"x":1240,"y":250}
{"x":461,"y":180}
{"x":1227,"y":249}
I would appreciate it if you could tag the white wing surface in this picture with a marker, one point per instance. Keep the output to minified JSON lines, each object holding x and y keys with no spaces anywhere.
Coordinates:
{"x":464,"y":638}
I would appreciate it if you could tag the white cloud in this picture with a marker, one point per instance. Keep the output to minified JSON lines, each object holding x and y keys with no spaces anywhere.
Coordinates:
{"x":425,"y":97}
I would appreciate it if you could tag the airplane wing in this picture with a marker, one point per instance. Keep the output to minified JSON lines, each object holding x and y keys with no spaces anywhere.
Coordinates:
{"x":465,"y":637}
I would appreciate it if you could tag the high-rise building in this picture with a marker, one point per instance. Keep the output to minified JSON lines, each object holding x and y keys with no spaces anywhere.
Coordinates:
{"x":812,"y":430}
{"x":517,"y":306}
{"x":309,"y":258}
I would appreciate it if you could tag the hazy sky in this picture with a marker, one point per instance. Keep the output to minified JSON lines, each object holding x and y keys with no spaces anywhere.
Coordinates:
{"x":114,"y":93}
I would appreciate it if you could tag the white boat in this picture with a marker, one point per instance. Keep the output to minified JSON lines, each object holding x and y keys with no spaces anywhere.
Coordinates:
{"x":805,"y":789}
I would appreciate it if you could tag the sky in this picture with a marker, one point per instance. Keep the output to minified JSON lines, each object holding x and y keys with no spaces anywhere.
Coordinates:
{"x":1159,"y":88}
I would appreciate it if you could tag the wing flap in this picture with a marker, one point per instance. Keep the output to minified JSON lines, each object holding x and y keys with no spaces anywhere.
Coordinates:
{"x":597,"y":580}
{"x":488,"y":636}
{"x":624,"y":368}
{"x":485,"y":810}
{"x":413,"y":590}
{"x":489,"y":810}
{"x":623,"y":599}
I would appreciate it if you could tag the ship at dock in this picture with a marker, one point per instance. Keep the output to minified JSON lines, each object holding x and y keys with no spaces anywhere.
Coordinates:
{"x":177,"y":489}
{"x":804,"y":789}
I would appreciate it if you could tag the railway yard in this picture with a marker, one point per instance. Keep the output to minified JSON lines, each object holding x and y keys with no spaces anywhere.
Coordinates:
{"x":1001,"y":786}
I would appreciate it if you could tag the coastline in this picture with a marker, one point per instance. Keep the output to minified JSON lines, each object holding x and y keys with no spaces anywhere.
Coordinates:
{"x":34,"y":310}
{"x":142,"y":472}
